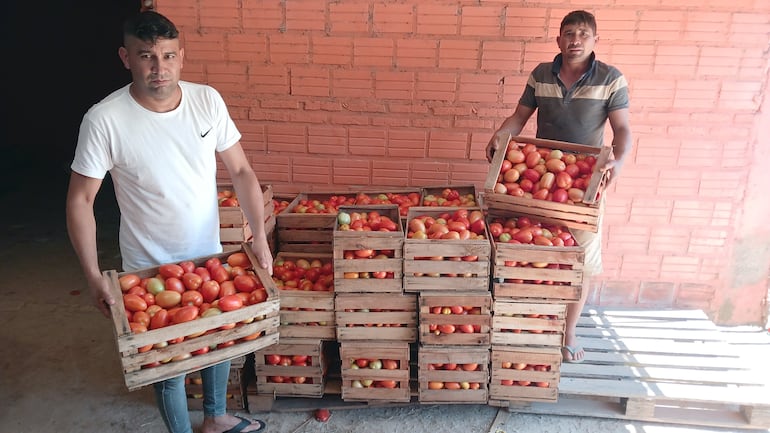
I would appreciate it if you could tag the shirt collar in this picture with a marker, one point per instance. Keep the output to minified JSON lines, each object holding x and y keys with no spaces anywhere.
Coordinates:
{"x":557,"y":61}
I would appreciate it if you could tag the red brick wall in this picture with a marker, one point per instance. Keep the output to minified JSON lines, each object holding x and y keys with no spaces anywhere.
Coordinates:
{"x":348,"y":94}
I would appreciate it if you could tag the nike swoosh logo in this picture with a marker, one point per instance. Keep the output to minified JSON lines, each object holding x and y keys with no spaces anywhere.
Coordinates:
{"x":204,"y":134}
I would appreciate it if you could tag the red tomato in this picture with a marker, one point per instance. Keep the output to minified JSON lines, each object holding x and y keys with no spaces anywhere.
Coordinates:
{"x":174,"y":284}
{"x":230,"y":303}
{"x":219,"y":274}
{"x":245,"y":283}
{"x":203,"y":272}
{"x":238,"y":259}
{"x":257,"y":296}
{"x":159,"y":319}
{"x":209,"y":291}
{"x":137,"y":290}
{"x":170,"y":270}
{"x":168,"y":299}
{"x":272,"y":359}
{"x":192,"y":281}
{"x":186,"y":314}
{"x":226,"y":288}
{"x":212,"y":263}
{"x":128,"y":281}
{"x":142,"y":317}
{"x":149,"y":298}
{"x":134,"y":302}
{"x":187,"y":266}
{"x":192,"y":297}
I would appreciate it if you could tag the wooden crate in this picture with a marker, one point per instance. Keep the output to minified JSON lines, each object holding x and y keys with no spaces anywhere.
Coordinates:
{"x":307,"y":313}
{"x":436,"y":196}
{"x":236,"y":395}
{"x":431,"y":320}
{"x":233,"y":225}
{"x":378,"y":317}
{"x":536,"y":273}
{"x":348,"y":271}
{"x":423,"y":272}
{"x":434,"y":367}
{"x":583,"y":216}
{"x":524,"y":375}
{"x":307,"y":232}
{"x":528,"y":324}
{"x":374,"y":350}
{"x":313,"y":373}
{"x":129,"y":343}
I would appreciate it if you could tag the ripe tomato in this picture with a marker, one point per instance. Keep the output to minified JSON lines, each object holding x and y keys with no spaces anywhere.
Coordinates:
{"x":192,"y":281}
{"x":128,"y":281}
{"x":226,"y":288}
{"x":203,"y":272}
{"x":272,"y":359}
{"x":219,"y":274}
{"x":170,"y":270}
{"x":238,"y":259}
{"x":159,"y":319}
{"x":173,"y":284}
{"x":245,"y":283}
{"x":257,"y":296}
{"x":168,"y":299}
{"x":209,"y":291}
{"x":134,"y":302}
{"x":212,"y":263}
{"x":192,"y":297}
{"x":141,"y":317}
{"x":186,"y":314}
{"x":230,"y":303}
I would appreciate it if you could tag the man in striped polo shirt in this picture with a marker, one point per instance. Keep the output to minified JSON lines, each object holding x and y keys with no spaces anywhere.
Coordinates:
{"x":574,"y":97}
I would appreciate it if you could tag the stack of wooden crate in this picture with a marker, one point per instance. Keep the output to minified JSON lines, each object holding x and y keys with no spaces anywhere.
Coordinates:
{"x":234,"y":227}
{"x":376,"y":320}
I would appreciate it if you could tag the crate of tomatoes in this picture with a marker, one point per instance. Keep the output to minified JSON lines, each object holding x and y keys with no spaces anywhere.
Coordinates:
{"x":233,"y":225}
{"x":555,"y":181}
{"x":178,"y":318}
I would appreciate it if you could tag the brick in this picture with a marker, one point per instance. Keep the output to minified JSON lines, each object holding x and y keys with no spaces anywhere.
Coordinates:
{"x":393,"y":18}
{"x":501,"y":55}
{"x":416,"y":53}
{"x":262,"y":14}
{"x":657,"y":25}
{"x":679,"y":268}
{"x":352,"y":83}
{"x":474,"y":123}
{"x":650,"y":211}
{"x":478,"y":88}
{"x":348,"y":119}
{"x":412,"y":108}
{"x":305,"y":14}
{"x":437,"y":19}
{"x":655,"y":151}
{"x":694,"y":295}
{"x":373,"y":52}
{"x":616,"y":24}
{"x":310,"y":81}
{"x":677,"y":182}
{"x":246,"y":47}
{"x":363,"y":106}
{"x":221,"y":14}
{"x":478,"y":147}
{"x":253,"y":135}
{"x":327,"y":139}
{"x":468,"y":174}
{"x":184,"y":15}
{"x":438,"y":86}
{"x":669,"y":240}
{"x":657,"y":293}
{"x":730,"y":183}
{"x":367,"y":141}
{"x":272,"y":168}
{"x":209,"y":48}
{"x":351,"y":171}
{"x":527,"y":23}
{"x":481,"y":20}
{"x":286,"y":138}
{"x":430,"y":173}
{"x":619,"y":293}
{"x":286,"y":49}
{"x":536,"y":53}
{"x":459,"y":54}
{"x":628,"y":239}
{"x":640,"y":266}
{"x":707,"y":242}
{"x":443,"y":144}
{"x":407,"y":143}
{"x":332,"y":50}
{"x":432,"y":122}
{"x":391,"y":173}
{"x":394,"y":85}
{"x":390,"y":121}
{"x":269,"y":79}
{"x":313,"y":170}
{"x":349,"y":18}
{"x":513,"y":87}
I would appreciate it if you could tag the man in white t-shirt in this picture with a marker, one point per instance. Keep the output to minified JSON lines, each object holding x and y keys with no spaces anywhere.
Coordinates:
{"x":158,"y":137}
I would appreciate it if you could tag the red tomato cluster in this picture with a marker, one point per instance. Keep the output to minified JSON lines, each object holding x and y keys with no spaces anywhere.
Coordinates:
{"x":450,"y":385}
{"x":331,"y":205}
{"x":544,"y":317}
{"x":544,"y":174}
{"x":449,"y":197}
{"x":451,"y":329}
{"x":184,"y":292}
{"x":368,"y":254}
{"x":289,"y":361}
{"x":461,"y":224}
{"x":523,"y":366}
{"x":303,"y":274}
{"x":374,"y":364}
{"x":523,"y":230}
{"x":279,"y":206}
{"x":227,"y":198}
{"x":365,"y":221}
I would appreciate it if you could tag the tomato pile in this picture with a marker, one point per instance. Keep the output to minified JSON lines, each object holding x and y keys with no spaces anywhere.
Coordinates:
{"x":227,"y":198}
{"x":331,"y":205}
{"x":279,"y":206}
{"x":374,"y":364}
{"x":449,"y":197}
{"x":451,"y":329}
{"x":546,"y":318}
{"x":461,"y":224}
{"x":365,"y":221}
{"x":289,"y":361}
{"x":450,"y":366}
{"x":525,"y":367}
{"x":303,"y":274}
{"x":368,"y":254}
{"x":184,"y":292}
{"x":544,"y":174}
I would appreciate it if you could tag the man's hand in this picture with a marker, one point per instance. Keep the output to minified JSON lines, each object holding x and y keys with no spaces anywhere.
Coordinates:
{"x":498,"y":141}
{"x":101,"y":294}
{"x":612,"y":168}
{"x":261,"y":250}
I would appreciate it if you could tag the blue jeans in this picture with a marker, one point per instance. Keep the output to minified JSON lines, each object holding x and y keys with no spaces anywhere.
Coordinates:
{"x":171,"y":397}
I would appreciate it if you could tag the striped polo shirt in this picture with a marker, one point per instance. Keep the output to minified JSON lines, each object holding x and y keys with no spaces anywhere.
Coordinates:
{"x":576,"y":115}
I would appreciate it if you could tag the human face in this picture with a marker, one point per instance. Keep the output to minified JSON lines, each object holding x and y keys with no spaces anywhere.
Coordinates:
{"x":155,"y":68}
{"x":576,"y":42}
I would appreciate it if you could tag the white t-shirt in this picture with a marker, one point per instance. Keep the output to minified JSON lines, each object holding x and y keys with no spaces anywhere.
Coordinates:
{"x":163,"y":166}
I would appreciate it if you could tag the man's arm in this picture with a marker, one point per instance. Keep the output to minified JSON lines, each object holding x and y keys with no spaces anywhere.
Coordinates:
{"x":621,"y":142}
{"x":249,"y":193}
{"x":511,"y":126}
{"x":81,"y":227}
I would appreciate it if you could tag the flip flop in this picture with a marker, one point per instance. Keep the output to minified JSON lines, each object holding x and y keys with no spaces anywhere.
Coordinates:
{"x":572,"y":350}
{"x":245,"y":422}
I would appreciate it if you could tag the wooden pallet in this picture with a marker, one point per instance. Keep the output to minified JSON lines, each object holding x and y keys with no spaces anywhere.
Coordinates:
{"x":664,"y":366}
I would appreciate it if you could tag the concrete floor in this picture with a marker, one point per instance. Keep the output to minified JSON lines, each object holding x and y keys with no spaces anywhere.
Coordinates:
{"x":58,"y":365}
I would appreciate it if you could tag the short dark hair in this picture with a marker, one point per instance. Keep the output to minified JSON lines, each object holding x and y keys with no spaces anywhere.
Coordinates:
{"x":579,"y":17}
{"x":149,"y":26}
